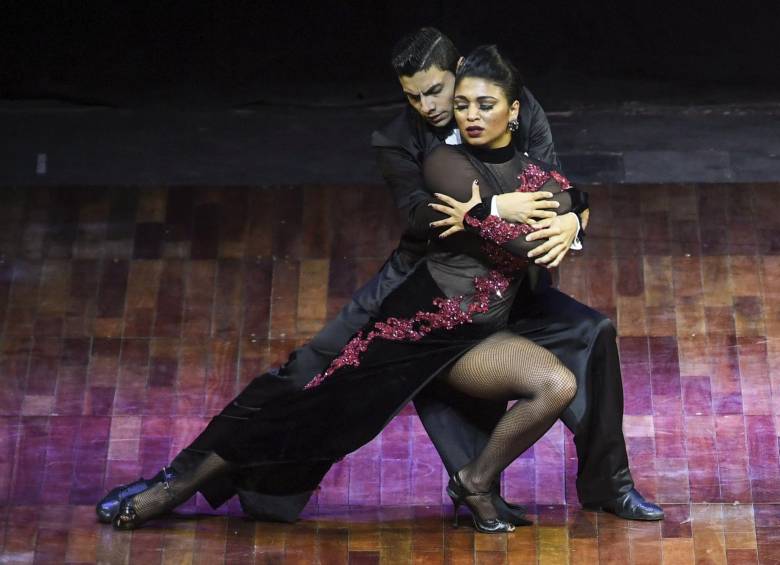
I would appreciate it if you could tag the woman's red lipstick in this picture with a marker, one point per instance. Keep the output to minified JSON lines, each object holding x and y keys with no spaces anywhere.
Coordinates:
{"x":474,"y":131}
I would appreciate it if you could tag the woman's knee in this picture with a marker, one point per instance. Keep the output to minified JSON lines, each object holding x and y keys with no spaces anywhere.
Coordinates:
{"x":560,"y":385}
{"x":568,"y":385}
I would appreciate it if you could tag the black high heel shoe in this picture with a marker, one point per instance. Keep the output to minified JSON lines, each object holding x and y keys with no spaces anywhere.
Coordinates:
{"x":127,"y":518}
{"x":108,"y":507}
{"x":460,"y":495}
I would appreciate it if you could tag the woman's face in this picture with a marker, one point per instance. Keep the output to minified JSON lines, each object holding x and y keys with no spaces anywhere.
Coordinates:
{"x":483,"y":113}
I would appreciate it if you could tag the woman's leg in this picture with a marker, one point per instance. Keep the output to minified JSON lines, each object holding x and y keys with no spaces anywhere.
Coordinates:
{"x":508,"y":367}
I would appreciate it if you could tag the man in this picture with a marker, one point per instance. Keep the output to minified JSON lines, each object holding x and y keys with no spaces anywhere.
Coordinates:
{"x":459,"y":426}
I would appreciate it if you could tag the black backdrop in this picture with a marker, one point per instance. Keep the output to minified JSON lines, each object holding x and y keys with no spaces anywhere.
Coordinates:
{"x":86,"y":48}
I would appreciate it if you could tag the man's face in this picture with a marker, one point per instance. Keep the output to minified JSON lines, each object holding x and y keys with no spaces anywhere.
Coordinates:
{"x":430,"y":93}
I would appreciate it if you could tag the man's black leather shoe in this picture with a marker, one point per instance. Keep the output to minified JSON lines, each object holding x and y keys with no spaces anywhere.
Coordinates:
{"x":630,"y":506}
{"x":108,"y":507}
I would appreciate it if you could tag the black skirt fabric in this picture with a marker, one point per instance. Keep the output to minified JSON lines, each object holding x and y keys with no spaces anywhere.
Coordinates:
{"x":285,"y":439}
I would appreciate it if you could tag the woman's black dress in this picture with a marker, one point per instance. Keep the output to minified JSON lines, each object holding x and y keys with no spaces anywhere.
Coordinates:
{"x":284,"y":440}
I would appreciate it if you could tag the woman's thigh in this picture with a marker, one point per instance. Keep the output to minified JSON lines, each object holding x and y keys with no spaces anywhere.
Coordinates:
{"x":505,"y":367}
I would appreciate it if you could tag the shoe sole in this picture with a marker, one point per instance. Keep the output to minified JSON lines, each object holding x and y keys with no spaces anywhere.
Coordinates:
{"x":637,"y":519}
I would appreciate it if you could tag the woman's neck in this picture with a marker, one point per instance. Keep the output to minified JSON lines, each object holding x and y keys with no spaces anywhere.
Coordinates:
{"x":502,"y":141}
{"x":492,"y":154}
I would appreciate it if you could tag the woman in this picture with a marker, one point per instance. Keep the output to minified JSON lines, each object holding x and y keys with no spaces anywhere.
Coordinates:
{"x":447,"y":321}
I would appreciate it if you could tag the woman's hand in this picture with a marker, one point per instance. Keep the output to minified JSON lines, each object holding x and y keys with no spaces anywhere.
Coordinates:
{"x":526,"y":207}
{"x":455,"y":210}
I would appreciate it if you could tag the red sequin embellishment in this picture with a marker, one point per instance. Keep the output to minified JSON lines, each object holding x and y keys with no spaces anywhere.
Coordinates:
{"x":533,"y":178}
{"x":561,"y":180}
{"x":448,"y":315}
{"x":500,"y":231}
{"x":502,"y":259}
{"x":497,"y":230}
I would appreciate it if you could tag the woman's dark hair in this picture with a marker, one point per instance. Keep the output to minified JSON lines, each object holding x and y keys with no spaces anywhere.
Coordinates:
{"x":422,"y":49}
{"x":487,"y":62}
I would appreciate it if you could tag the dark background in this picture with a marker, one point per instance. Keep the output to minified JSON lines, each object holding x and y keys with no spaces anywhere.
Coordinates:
{"x":136,"y":53}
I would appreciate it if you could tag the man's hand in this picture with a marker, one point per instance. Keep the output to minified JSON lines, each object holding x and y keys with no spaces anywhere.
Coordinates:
{"x":559,"y":232}
{"x":585,"y":217}
{"x":456,"y":210}
{"x":526,"y":207}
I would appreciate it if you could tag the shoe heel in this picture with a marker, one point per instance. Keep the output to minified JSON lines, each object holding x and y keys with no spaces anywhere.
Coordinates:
{"x":458,"y":493}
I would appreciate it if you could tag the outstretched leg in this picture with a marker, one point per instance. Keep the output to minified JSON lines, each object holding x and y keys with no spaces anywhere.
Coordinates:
{"x":167,"y":495}
{"x":508,"y":367}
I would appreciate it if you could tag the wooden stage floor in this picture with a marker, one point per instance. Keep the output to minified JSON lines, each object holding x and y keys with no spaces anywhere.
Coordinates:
{"x":130,"y":316}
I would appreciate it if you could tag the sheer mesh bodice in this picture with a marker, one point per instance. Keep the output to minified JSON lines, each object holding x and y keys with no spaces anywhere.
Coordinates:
{"x":455,"y":261}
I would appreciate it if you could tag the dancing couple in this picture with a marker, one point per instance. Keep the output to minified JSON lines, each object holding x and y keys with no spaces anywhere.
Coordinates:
{"x":461,"y":319}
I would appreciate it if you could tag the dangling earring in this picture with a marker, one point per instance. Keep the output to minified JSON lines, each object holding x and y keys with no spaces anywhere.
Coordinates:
{"x":513,"y":125}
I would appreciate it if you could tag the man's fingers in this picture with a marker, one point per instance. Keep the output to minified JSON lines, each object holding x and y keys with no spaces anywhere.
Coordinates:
{"x":543,"y":248}
{"x":442,"y":223}
{"x":475,"y":190}
{"x":545,"y":204}
{"x":558,"y":259}
{"x":543,"y":195}
{"x":544,"y":233}
{"x":551,"y":254}
{"x":545,"y":223}
{"x":541,"y":214}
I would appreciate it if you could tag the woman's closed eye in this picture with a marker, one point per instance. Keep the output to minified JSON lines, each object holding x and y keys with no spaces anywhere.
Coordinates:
{"x":482,"y":107}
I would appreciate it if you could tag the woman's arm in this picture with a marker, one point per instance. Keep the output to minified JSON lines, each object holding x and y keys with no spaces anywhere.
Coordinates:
{"x":519,"y":239}
{"x":457,"y":182}
{"x":404,"y":176}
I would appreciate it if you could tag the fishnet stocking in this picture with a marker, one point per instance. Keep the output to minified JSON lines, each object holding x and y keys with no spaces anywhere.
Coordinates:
{"x":508,"y":367}
{"x":159,"y":499}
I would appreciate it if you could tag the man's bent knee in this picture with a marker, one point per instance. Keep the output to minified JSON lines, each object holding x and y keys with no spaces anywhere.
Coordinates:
{"x":605,"y":327}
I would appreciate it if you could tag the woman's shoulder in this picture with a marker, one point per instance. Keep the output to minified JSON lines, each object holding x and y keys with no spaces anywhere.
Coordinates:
{"x":447,"y":165}
{"x":543,"y":165}
{"x":446,"y":154}
{"x":445,"y":148}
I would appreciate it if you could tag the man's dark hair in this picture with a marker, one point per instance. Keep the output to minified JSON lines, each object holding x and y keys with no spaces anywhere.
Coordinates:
{"x":487,"y":62}
{"x":422,"y":49}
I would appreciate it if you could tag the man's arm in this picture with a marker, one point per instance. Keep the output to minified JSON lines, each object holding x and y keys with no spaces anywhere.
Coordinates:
{"x":539,"y":141}
{"x":403,"y":175}
{"x":539,"y":145}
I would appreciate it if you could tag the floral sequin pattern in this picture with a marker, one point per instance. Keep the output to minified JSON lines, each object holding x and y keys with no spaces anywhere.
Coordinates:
{"x":502,"y":260}
{"x":533,"y":178}
{"x":448,"y":315}
{"x":497,"y":230}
